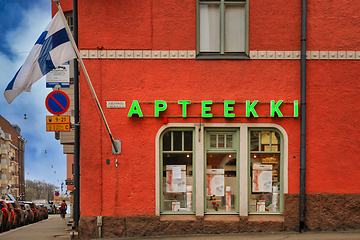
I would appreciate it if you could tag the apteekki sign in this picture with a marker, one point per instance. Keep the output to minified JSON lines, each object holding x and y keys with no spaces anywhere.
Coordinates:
{"x":206,"y":108}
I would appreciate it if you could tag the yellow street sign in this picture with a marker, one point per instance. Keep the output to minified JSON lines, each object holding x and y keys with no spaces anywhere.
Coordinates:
{"x":57,"y":127}
{"x":57,"y":119}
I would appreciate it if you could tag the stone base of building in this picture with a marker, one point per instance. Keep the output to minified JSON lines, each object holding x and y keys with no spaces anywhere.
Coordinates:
{"x":323,"y":212}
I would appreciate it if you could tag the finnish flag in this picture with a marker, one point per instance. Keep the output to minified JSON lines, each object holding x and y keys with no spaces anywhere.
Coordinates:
{"x":53,"y":48}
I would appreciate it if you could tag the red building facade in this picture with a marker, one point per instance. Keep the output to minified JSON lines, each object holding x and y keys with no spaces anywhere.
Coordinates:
{"x":205,"y":98}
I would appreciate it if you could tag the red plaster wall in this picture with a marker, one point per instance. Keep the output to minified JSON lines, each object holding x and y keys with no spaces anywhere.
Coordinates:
{"x":66,"y":6}
{"x":69,"y":170}
{"x":332,"y":92}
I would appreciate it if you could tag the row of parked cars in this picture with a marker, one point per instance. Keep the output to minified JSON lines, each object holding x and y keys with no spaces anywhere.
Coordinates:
{"x":15,"y":214}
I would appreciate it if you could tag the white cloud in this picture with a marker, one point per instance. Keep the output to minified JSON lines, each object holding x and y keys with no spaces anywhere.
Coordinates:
{"x":37,"y":163}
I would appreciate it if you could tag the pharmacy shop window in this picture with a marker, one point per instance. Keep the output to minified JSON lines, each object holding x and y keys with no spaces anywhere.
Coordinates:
{"x":177,"y":181}
{"x":222,"y":172}
{"x":222,"y":29}
{"x":265,"y":171}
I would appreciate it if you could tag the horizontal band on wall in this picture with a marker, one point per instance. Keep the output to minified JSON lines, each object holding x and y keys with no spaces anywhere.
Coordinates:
{"x":138,"y":54}
{"x":310,"y":55}
{"x":191,"y":54}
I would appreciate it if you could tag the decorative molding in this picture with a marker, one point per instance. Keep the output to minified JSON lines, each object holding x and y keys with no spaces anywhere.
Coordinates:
{"x":191,"y":54}
{"x":310,"y":55}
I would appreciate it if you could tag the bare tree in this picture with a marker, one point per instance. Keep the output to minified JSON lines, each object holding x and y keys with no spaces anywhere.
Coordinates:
{"x":39,"y":190}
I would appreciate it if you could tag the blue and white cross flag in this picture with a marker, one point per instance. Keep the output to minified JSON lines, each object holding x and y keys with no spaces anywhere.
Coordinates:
{"x":52,"y":49}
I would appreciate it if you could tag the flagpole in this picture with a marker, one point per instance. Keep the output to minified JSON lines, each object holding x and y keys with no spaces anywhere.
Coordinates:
{"x":86,"y":74}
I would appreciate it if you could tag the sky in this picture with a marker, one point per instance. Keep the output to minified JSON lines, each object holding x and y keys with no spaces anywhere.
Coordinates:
{"x":21,"y":23}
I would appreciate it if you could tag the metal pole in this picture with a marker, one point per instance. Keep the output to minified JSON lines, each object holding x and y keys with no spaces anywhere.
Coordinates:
{"x":77,"y":125}
{"x":74,"y":45}
{"x":302,"y":200}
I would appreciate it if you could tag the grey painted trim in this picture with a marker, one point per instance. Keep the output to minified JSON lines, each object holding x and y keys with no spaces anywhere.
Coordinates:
{"x":192,"y":54}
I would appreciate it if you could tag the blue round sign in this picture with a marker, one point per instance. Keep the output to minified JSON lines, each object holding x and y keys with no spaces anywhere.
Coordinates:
{"x":57,"y":102}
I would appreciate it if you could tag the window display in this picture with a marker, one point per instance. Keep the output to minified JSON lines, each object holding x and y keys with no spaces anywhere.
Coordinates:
{"x":177,"y":172}
{"x":221,"y":172}
{"x":224,"y":176}
{"x":265,"y":171}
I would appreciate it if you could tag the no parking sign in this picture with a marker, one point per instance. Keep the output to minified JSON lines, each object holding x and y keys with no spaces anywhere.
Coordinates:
{"x":57,"y":194}
{"x":57,"y":102}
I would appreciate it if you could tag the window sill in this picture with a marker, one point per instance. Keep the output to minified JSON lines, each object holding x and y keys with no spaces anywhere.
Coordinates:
{"x":222,"y":57}
{"x":221,"y":218}
{"x":263,"y":218}
{"x":177,"y":217}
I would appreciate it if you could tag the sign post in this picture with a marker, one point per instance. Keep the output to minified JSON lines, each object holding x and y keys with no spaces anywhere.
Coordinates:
{"x":57,"y":103}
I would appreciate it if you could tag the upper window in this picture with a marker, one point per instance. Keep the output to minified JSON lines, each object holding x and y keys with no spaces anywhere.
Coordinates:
{"x":222,"y":27}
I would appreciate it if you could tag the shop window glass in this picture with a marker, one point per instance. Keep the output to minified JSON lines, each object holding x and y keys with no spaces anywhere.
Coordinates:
{"x":178,"y":141}
{"x":229,"y":140}
{"x":177,"y":169}
{"x":254,"y":141}
{"x":221,"y":182}
{"x":221,"y":141}
{"x":167,"y":141}
{"x":221,"y":177}
{"x":188,"y":141}
{"x":213,"y":141}
{"x":265,"y":172}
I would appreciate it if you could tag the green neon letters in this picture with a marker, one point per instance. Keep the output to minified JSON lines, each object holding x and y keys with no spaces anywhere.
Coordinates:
{"x":296,"y":108}
{"x":250,"y":108}
{"x":135,"y":109}
{"x":275,"y":108}
{"x":184,"y":104}
{"x":161,"y":105}
{"x":228,"y":108}
{"x":205,"y":109}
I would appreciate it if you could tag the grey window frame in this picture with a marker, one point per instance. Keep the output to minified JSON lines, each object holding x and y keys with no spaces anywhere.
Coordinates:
{"x":281,"y":164}
{"x":235,"y":132}
{"x":222,"y":54}
{"x":162,"y":212}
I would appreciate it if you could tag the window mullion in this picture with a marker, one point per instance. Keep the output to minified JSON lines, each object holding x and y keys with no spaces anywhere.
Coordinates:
{"x":172,"y":142}
{"x":222,"y":27}
{"x":182,"y":141}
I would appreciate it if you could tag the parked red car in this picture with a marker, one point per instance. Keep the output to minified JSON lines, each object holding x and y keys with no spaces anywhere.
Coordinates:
{"x":6,"y":224}
{"x":30,"y":213}
{"x":1,"y":220}
{"x":20,"y":216}
{"x":13,"y":215}
{"x":37,"y":216}
{"x":43,"y":209}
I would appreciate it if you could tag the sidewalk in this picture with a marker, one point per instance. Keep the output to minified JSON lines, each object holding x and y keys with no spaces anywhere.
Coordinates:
{"x":311,"y":235}
{"x":51,"y":228}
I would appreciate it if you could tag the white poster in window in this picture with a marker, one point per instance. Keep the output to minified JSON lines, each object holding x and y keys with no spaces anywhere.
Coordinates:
{"x":228,"y":201}
{"x":177,"y":172}
{"x":188,"y":201}
{"x":260,"y":206}
{"x":175,"y":206}
{"x":215,"y":185}
{"x":262,"y":181}
{"x":175,"y":185}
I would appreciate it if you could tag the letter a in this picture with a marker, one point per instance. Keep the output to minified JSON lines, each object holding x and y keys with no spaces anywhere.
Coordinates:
{"x":135,"y":109}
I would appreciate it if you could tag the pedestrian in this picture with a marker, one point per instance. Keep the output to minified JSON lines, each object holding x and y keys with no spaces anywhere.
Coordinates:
{"x":63,"y":208}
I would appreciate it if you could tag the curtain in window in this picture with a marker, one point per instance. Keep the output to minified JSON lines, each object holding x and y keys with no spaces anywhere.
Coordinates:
{"x":209,"y":28}
{"x":234,"y":28}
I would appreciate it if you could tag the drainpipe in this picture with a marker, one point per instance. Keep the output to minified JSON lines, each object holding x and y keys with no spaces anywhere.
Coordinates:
{"x":303,"y":118}
{"x":77,"y":125}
